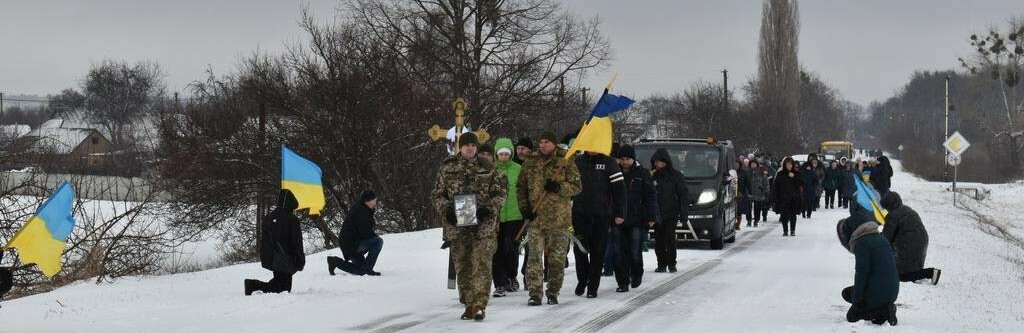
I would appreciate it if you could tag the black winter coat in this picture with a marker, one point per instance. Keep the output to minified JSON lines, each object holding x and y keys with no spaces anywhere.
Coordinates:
{"x":603,"y":192}
{"x":359,"y":226}
{"x":833,"y":179}
{"x":903,"y":228}
{"x":786,"y":192}
{"x":281,"y":231}
{"x":642,"y":197}
{"x":881,"y":176}
{"x":673,"y":196}
{"x":846,"y":185}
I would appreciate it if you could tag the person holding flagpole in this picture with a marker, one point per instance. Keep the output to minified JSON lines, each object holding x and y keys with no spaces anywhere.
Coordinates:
{"x":602,"y":198}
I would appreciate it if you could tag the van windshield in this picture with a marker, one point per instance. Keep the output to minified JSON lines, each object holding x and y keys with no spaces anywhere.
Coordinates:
{"x":695,"y":161}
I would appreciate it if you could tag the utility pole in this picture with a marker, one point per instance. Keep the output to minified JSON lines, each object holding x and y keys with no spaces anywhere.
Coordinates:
{"x":725,"y":88}
{"x":945,"y":135}
{"x":583,"y":96}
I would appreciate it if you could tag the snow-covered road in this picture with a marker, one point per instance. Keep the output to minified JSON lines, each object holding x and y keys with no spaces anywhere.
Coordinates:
{"x":762,"y":283}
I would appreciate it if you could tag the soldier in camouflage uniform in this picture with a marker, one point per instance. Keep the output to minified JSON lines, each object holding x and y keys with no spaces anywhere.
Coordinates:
{"x":547,"y":182}
{"x":472,"y":246}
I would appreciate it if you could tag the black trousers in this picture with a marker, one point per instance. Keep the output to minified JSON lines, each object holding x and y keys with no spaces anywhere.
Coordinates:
{"x":592,"y":231}
{"x":788,"y":222}
{"x":506,"y":257}
{"x":830,"y":198}
{"x":280,"y":282}
{"x":926,"y":273}
{"x":760,"y":211}
{"x":844,"y":201}
{"x":665,"y":243}
{"x":629,"y":263}
{"x":878,"y":315}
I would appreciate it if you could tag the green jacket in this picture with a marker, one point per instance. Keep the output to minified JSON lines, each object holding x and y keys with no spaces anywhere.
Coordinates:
{"x":510,"y":209}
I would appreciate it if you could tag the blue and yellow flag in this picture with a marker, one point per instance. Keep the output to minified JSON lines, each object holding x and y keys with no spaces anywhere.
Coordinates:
{"x":868,"y":199}
{"x":304,"y":179}
{"x":596,"y":134}
{"x":44,"y":236}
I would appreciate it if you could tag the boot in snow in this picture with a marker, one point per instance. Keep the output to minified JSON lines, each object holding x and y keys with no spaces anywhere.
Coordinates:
{"x":499,"y":292}
{"x":892,"y":315}
{"x":250,"y":286}
{"x":660,"y":269}
{"x":479,"y":314}
{"x":672,"y":269}
{"x":935,"y":276}
{"x":552,"y":300}
{"x":468,"y":314}
{"x":534,"y":301}
{"x":622,"y":289}
{"x":331,"y":264}
{"x":580,"y":288}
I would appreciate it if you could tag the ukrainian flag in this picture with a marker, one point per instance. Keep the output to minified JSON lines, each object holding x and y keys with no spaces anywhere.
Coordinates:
{"x":596,"y":134}
{"x":44,"y":236}
{"x":304,"y":179}
{"x":868,"y":199}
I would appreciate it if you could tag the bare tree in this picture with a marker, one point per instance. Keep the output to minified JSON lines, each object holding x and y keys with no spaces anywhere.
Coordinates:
{"x":778,"y":79}
{"x":499,"y":54}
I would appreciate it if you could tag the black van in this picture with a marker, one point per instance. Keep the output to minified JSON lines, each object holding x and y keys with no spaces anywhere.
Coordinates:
{"x":706,"y":164}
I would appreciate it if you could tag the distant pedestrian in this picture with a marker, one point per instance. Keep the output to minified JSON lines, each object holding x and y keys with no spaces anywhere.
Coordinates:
{"x":760,"y":192}
{"x":881,"y":176}
{"x":809,"y":175}
{"x":281,"y":248}
{"x":786,"y":195}
{"x":833,"y":180}
{"x":673,"y":208}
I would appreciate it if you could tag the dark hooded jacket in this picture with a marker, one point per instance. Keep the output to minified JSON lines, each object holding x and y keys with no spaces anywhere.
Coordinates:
{"x":641,"y":196}
{"x":673,"y":196}
{"x":281,"y":232}
{"x":846,"y":182}
{"x":881,"y":175}
{"x":876,"y":282}
{"x":903,"y":228}
{"x":786,"y":191}
{"x":359,"y":226}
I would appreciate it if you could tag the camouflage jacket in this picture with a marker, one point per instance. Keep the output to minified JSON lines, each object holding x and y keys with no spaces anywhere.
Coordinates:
{"x":555,"y":211}
{"x":461,"y":176}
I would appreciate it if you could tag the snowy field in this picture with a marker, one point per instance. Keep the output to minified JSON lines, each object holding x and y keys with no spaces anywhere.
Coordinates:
{"x":762,"y":283}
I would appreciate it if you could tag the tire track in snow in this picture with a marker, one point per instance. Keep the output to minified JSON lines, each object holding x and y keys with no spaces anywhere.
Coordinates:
{"x":608,"y":318}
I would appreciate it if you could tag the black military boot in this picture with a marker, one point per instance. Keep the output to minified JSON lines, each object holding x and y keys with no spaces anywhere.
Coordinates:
{"x":581,"y":288}
{"x":251,"y":286}
{"x":552,"y":300}
{"x":332,"y":264}
{"x":534,"y":301}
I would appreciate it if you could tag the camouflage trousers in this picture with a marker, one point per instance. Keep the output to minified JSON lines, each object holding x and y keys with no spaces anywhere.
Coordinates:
{"x":473,"y":259}
{"x":550,"y":244}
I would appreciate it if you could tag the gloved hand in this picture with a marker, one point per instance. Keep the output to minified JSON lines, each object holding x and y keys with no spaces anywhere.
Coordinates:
{"x":482,"y":214}
{"x":449,"y":215}
{"x":552,"y":186}
{"x":527,"y":214}
{"x":446,"y":244}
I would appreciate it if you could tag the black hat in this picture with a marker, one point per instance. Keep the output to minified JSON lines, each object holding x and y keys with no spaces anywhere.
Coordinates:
{"x":468,"y":138}
{"x":367,"y":196}
{"x":525,"y":142}
{"x":626,"y":151}
{"x":486,"y":148}
{"x":548,"y":135}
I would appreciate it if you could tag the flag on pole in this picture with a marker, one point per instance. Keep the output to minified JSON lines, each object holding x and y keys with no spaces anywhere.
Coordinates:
{"x":596,"y":133}
{"x":304,"y":178}
{"x":868,"y":199}
{"x":43,"y":238}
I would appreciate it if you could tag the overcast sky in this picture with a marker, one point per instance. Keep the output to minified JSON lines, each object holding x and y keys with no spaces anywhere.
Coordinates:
{"x":866,"y":48}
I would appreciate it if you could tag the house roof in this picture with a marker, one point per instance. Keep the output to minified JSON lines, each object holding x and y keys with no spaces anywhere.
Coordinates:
{"x":14,"y":131}
{"x":58,"y":140}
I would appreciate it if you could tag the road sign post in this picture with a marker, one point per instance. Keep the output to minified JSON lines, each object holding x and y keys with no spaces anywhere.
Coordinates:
{"x":956,"y":145}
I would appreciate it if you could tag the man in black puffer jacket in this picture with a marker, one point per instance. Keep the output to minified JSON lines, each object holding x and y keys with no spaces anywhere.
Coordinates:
{"x":903,"y":228}
{"x":359,"y":242}
{"x":280,"y":246}
{"x":673,"y":207}
{"x":601,"y":201}
{"x":641,"y":214}
{"x":876,"y":284}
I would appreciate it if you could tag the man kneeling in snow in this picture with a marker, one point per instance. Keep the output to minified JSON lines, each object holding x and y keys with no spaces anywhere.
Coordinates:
{"x":903,"y":228}
{"x":359,"y":242}
{"x":876,"y":283}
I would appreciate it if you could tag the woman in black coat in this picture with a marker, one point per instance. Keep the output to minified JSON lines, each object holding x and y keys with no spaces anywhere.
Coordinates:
{"x":809,"y":175}
{"x":903,"y":228}
{"x":881,"y":175}
{"x":280,"y":247}
{"x":786,"y":195}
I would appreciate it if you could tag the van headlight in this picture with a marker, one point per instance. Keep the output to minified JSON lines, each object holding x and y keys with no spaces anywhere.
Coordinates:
{"x":706,"y":197}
